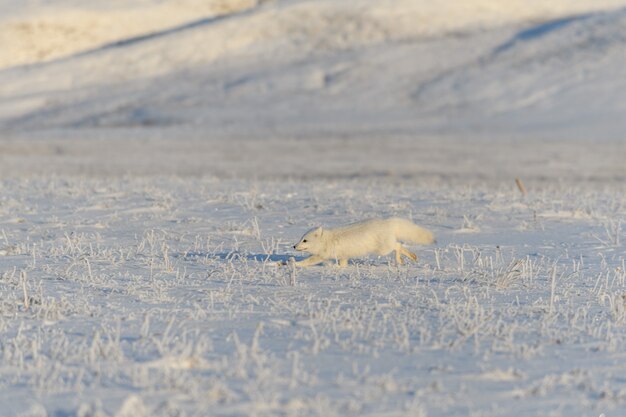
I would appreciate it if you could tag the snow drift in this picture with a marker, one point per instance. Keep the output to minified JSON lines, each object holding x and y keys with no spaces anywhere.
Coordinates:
{"x":318,"y":67}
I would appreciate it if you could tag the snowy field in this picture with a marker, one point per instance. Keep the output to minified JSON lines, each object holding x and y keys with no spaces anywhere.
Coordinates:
{"x":158,"y":158}
{"x":157,"y":297}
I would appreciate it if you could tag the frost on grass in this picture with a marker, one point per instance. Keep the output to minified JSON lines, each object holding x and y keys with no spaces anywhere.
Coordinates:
{"x":151,"y":297}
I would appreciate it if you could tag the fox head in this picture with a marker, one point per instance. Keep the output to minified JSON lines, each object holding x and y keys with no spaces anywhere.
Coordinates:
{"x":311,"y":241}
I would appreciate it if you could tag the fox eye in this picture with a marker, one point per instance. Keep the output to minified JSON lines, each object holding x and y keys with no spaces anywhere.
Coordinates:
{"x":304,"y":241}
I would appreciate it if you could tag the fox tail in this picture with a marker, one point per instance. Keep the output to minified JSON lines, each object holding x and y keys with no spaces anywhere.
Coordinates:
{"x":410,"y":232}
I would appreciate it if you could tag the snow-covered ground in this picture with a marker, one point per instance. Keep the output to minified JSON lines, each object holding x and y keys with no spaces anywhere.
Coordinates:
{"x":157,"y":297}
{"x":325,"y":67}
{"x":158,"y":157}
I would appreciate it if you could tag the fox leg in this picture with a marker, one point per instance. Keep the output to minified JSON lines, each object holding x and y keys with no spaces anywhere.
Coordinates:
{"x":401,"y":250}
{"x":311,"y":260}
{"x":408,"y":254}
{"x":343,"y":263}
{"x":398,"y":252}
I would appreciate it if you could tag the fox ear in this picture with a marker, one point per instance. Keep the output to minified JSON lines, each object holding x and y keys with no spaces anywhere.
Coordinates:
{"x":319,"y":231}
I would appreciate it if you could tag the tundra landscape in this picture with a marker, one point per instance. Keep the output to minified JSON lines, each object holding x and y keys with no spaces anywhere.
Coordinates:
{"x":160,"y":159}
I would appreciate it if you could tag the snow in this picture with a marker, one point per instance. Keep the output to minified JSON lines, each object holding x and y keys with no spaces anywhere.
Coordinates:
{"x":158,"y":157}
{"x":160,"y":294}
{"x":337,"y":68}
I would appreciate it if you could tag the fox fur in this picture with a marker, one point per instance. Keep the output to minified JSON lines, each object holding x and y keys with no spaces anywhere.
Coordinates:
{"x":376,"y":236}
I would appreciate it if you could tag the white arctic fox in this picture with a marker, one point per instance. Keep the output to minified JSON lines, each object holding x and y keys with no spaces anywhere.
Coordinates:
{"x":376,"y":236}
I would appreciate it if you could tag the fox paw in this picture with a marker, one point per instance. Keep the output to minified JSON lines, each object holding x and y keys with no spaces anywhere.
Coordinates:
{"x":289,"y":261}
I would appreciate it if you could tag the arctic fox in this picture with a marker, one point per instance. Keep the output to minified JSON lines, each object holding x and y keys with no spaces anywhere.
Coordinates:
{"x":376,"y":236}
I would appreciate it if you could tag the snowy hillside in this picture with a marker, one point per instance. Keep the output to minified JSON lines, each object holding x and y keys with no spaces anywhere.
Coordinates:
{"x":324,"y":67}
